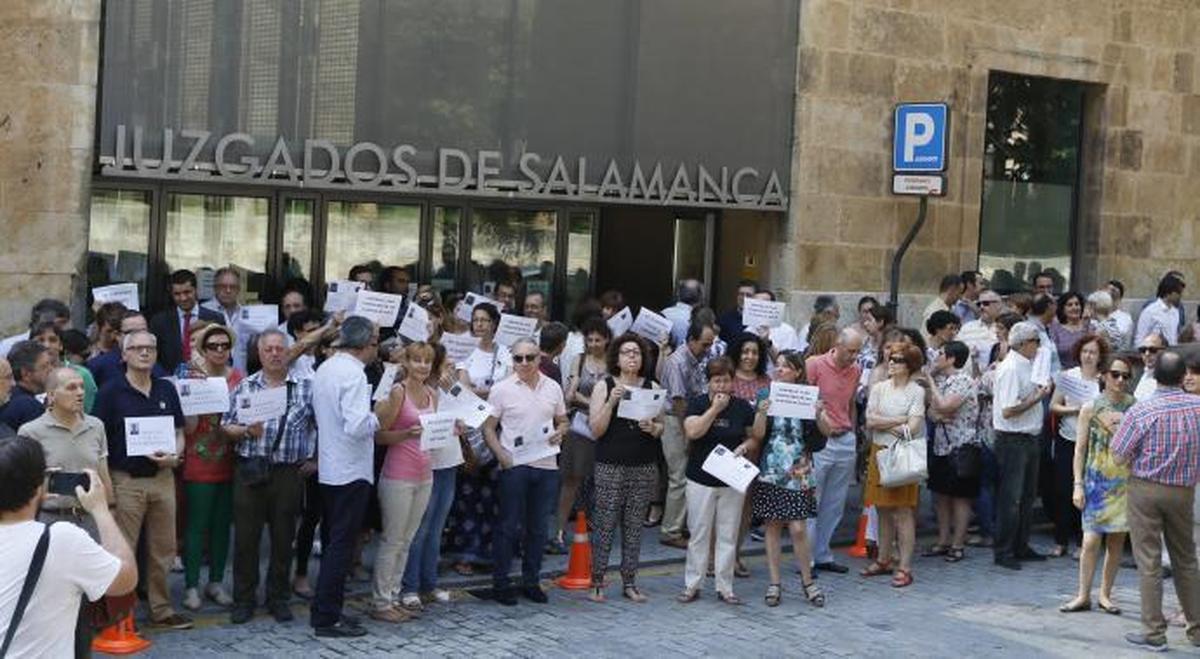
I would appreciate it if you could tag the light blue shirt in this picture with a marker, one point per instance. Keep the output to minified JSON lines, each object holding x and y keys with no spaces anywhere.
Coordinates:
{"x":341,"y":400}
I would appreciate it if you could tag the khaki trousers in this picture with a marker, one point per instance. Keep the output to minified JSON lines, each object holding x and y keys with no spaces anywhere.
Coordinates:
{"x":674,"y":447}
{"x":150,"y":501}
{"x":1156,"y":513}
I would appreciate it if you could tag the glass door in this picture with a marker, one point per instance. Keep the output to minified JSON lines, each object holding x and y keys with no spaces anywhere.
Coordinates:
{"x":372,"y":234}
{"x":692,"y":250}
{"x":514,"y":246}
{"x":204,"y":233}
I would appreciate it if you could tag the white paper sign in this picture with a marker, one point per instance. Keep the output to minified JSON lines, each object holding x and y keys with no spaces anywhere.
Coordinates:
{"x":620,"y":322}
{"x":642,"y":404}
{"x":415,"y":325}
{"x":147,"y":435}
{"x":1077,"y":390}
{"x":437,"y":431}
{"x":203,"y":395}
{"x":762,"y":313}
{"x":265,"y":405}
{"x":735,"y":471}
{"x":513,"y":328}
{"x":256,"y":318}
{"x":126,"y":294}
{"x":533,"y":445}
{"x":468,"y":304}
{"x":796,"y":401}
{"x":206,"y":281}
{"x":380,"y":308}
{"x":459,"y":346}
{"x":385,"y":383}
{"x":1040,"y":372}
{"x":340,"y":294}
{"x":464,"y":405}
{"x":651,"y":325}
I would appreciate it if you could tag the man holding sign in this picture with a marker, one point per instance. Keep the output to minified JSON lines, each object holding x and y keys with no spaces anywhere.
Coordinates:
{"x":530,"y":417}
{"x":144,"y":484}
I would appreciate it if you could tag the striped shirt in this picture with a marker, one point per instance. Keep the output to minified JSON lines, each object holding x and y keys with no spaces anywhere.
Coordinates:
{"x":1160,"y":438}
{"x":299,"y":436}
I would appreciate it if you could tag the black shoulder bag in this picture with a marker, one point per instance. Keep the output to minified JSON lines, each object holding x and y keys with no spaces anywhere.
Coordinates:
{"x":31,"y":579}
{"x":256,"y":471}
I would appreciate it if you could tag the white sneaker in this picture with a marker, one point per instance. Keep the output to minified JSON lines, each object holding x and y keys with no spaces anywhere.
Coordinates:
{"x":177,"y":565}
{"x":216,"y":593}
{"x":411,"y":601}
{"x":191,"y":599}
{"x":441,"y":595}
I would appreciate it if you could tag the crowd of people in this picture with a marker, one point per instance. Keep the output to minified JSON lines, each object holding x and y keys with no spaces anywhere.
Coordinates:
{"x":1012,"y":394}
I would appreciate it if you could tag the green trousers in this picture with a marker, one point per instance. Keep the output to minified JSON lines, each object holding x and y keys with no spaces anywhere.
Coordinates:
{"x":209,"y":516}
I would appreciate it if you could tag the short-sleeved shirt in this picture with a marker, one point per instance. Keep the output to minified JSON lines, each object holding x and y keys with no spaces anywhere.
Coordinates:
{"x":75,"y":566}
{"x":682,"y":376}
{"x":520,"y":407}
{"x":837,"y":388}
{"x":728,"y":430}
{"x":1010,"y":386}
{"x":69,"y":449}
{"x":886,"y":400}
{"x":117,"y":400}
{"x":962,"y":428}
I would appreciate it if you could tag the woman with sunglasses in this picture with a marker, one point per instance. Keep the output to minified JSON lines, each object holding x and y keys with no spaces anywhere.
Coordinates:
{"x":208,"y":473}
{"x":1090,"y":352}
{"x":1099,"y":487}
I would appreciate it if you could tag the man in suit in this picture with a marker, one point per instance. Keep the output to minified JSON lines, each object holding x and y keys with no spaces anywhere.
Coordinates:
{"x":173,"y":326}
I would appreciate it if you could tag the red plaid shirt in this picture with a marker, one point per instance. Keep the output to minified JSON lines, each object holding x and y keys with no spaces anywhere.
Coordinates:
{"x":1160,"y":438}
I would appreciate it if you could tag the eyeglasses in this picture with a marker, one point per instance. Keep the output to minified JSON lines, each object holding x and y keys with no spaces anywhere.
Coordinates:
{"x":1120,"y":375}
{"x":631,"y":351}
{"x":142,"y":349}
{"x":217,"y":347}
{"x":524,"y":359}
{"x":1149,"y":349}
{"x":987,"y":303}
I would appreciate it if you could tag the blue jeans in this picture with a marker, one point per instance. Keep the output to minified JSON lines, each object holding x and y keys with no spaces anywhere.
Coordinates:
{"x":527,"y":496}
{"x":420,"y":574}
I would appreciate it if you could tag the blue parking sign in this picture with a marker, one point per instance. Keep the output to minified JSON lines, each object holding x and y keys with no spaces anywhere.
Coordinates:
{"x":920,"y":138}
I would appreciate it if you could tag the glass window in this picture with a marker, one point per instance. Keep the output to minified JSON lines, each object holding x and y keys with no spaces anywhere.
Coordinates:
{"x":1030,"y":180}
{"x":511,"y":245}
{"x":118,"y":239}
{"x":377,"y":235}
{"x":297,"y":239}
{"x":207,"y":232}
{"x":691,"y":250}
{"x":580,"y":234}
{"x":445,"y":248}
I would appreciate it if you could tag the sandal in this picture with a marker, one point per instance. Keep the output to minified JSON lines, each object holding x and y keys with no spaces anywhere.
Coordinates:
{"x":936,"y":550}
{"x":688,"y":596}
{"x":653,"y":520}
{"x":740,"y":571}
{"x":813,"y":594}
{"x":901,"y":578}
{"x":955,"y":554}
{"x":774,"y":594}
{"x":730,"y":598}
{"x":876,"y":568}
{"x":631,"y":592}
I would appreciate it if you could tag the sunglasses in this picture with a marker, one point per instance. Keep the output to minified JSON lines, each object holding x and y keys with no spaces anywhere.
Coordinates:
{"x":1149,"y":349}
{"x":524,"y":359}
{"x":217,"y":347}
{"x":896,"y":360}
{"x":1120,"y":375}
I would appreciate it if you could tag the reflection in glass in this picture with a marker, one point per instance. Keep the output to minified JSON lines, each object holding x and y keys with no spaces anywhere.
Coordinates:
{"x":297,"y":239}
{"x":580,"y":228}
{"x":513,"y":245}
{"x":207,"y":232}
{"x":445,"y":248}
{"x":377,"y":235}
{"x":691,"y":238}
{"x":1031,"y":176}
{"x":118,"y":238}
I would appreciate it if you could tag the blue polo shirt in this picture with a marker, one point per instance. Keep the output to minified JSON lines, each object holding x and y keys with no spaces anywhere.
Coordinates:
{"x":117,"y":400}
{"x":22,"y":408}
{"x":109,"y":366}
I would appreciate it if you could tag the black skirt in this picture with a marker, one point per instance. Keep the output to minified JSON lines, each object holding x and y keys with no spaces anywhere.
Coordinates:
{"x":943,"y":479}
{"x":772,"y":503}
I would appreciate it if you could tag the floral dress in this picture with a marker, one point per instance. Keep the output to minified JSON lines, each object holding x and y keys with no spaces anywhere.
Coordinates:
{"x":779,"y":494}
{"x":1104,"y":479}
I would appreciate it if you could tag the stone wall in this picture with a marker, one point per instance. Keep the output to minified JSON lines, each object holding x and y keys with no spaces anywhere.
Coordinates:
{"x":49,"y":53}
{"x":1141,"y":173}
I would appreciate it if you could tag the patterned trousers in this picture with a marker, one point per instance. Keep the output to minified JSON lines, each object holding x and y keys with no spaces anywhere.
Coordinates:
{"x":623,"y":495}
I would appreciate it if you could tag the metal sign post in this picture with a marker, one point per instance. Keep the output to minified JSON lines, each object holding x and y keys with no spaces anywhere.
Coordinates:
{"x":919,"y":149}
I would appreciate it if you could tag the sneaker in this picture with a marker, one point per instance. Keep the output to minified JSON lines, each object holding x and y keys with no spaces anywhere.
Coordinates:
{"x":390,"y":614}
{"x":340,"y":629}
{"x":216,"y":593}
{"x":191,"y":599}
{"x":176,"y":621}
{"x":1141,"y":640}
{"x":441,"y":595}
{"x":411,"y":601}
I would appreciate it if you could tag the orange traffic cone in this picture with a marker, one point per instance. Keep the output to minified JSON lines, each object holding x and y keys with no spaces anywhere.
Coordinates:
{"x":121,"y":638}
{"x":859,"y":550}
{"x":579,"y":569}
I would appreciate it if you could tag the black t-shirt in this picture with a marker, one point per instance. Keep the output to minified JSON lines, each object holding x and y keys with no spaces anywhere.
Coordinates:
{"x":728,"y":430}
{"x":624,"y":443}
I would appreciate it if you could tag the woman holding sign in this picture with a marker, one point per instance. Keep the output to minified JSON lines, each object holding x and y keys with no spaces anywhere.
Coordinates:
{"x":208,"y":473}
{"x":785,"y":494}
{"x":626,"y":461}
{"x":895,"y":412}
{"x":716,"y":422}
{"x":1076,"y":386}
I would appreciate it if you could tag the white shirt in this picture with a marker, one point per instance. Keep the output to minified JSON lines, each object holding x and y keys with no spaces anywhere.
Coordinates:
{"x":7,"y":345}
{"x":1158,"y":316}
{"x":979,"y":337}
{"x":75,"y":566}
{"x":231,"y":316}
{"x":1124,"y":326}
{"x":1146,"y":386}
{"x":1012,"y":385}
{"x":487,"y":368}
{"x":345,"y":423}
{"x":783,"y":337}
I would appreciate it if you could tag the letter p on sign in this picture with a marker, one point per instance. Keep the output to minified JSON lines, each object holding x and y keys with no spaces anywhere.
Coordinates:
{"x":920,"y":137}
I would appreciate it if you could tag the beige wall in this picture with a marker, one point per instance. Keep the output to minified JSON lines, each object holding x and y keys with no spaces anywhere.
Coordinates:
{"x":858,"y":58}
{"x":48,"y":69}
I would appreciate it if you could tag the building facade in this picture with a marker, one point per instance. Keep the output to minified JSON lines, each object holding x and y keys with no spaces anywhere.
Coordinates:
{"x":590,"y":146}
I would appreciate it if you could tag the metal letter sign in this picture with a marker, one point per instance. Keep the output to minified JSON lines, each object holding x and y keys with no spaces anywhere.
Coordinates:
{"x":920,"y":141}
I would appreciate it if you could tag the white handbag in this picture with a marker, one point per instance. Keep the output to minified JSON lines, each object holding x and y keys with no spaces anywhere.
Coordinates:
{"x":903,"y":463}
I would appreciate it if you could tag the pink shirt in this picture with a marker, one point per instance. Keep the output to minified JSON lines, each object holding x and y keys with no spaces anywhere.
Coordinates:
{"x":837,"y":386}
{"x":521,"y":407}
{"x":406,"y":461}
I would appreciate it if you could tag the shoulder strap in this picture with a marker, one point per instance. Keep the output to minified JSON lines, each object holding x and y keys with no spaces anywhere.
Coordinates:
{"x":31,"y":579}
{"x":291,"y":387}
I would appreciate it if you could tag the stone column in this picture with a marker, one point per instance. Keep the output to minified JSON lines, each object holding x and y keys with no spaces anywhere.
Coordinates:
{"x":49,"y":65}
